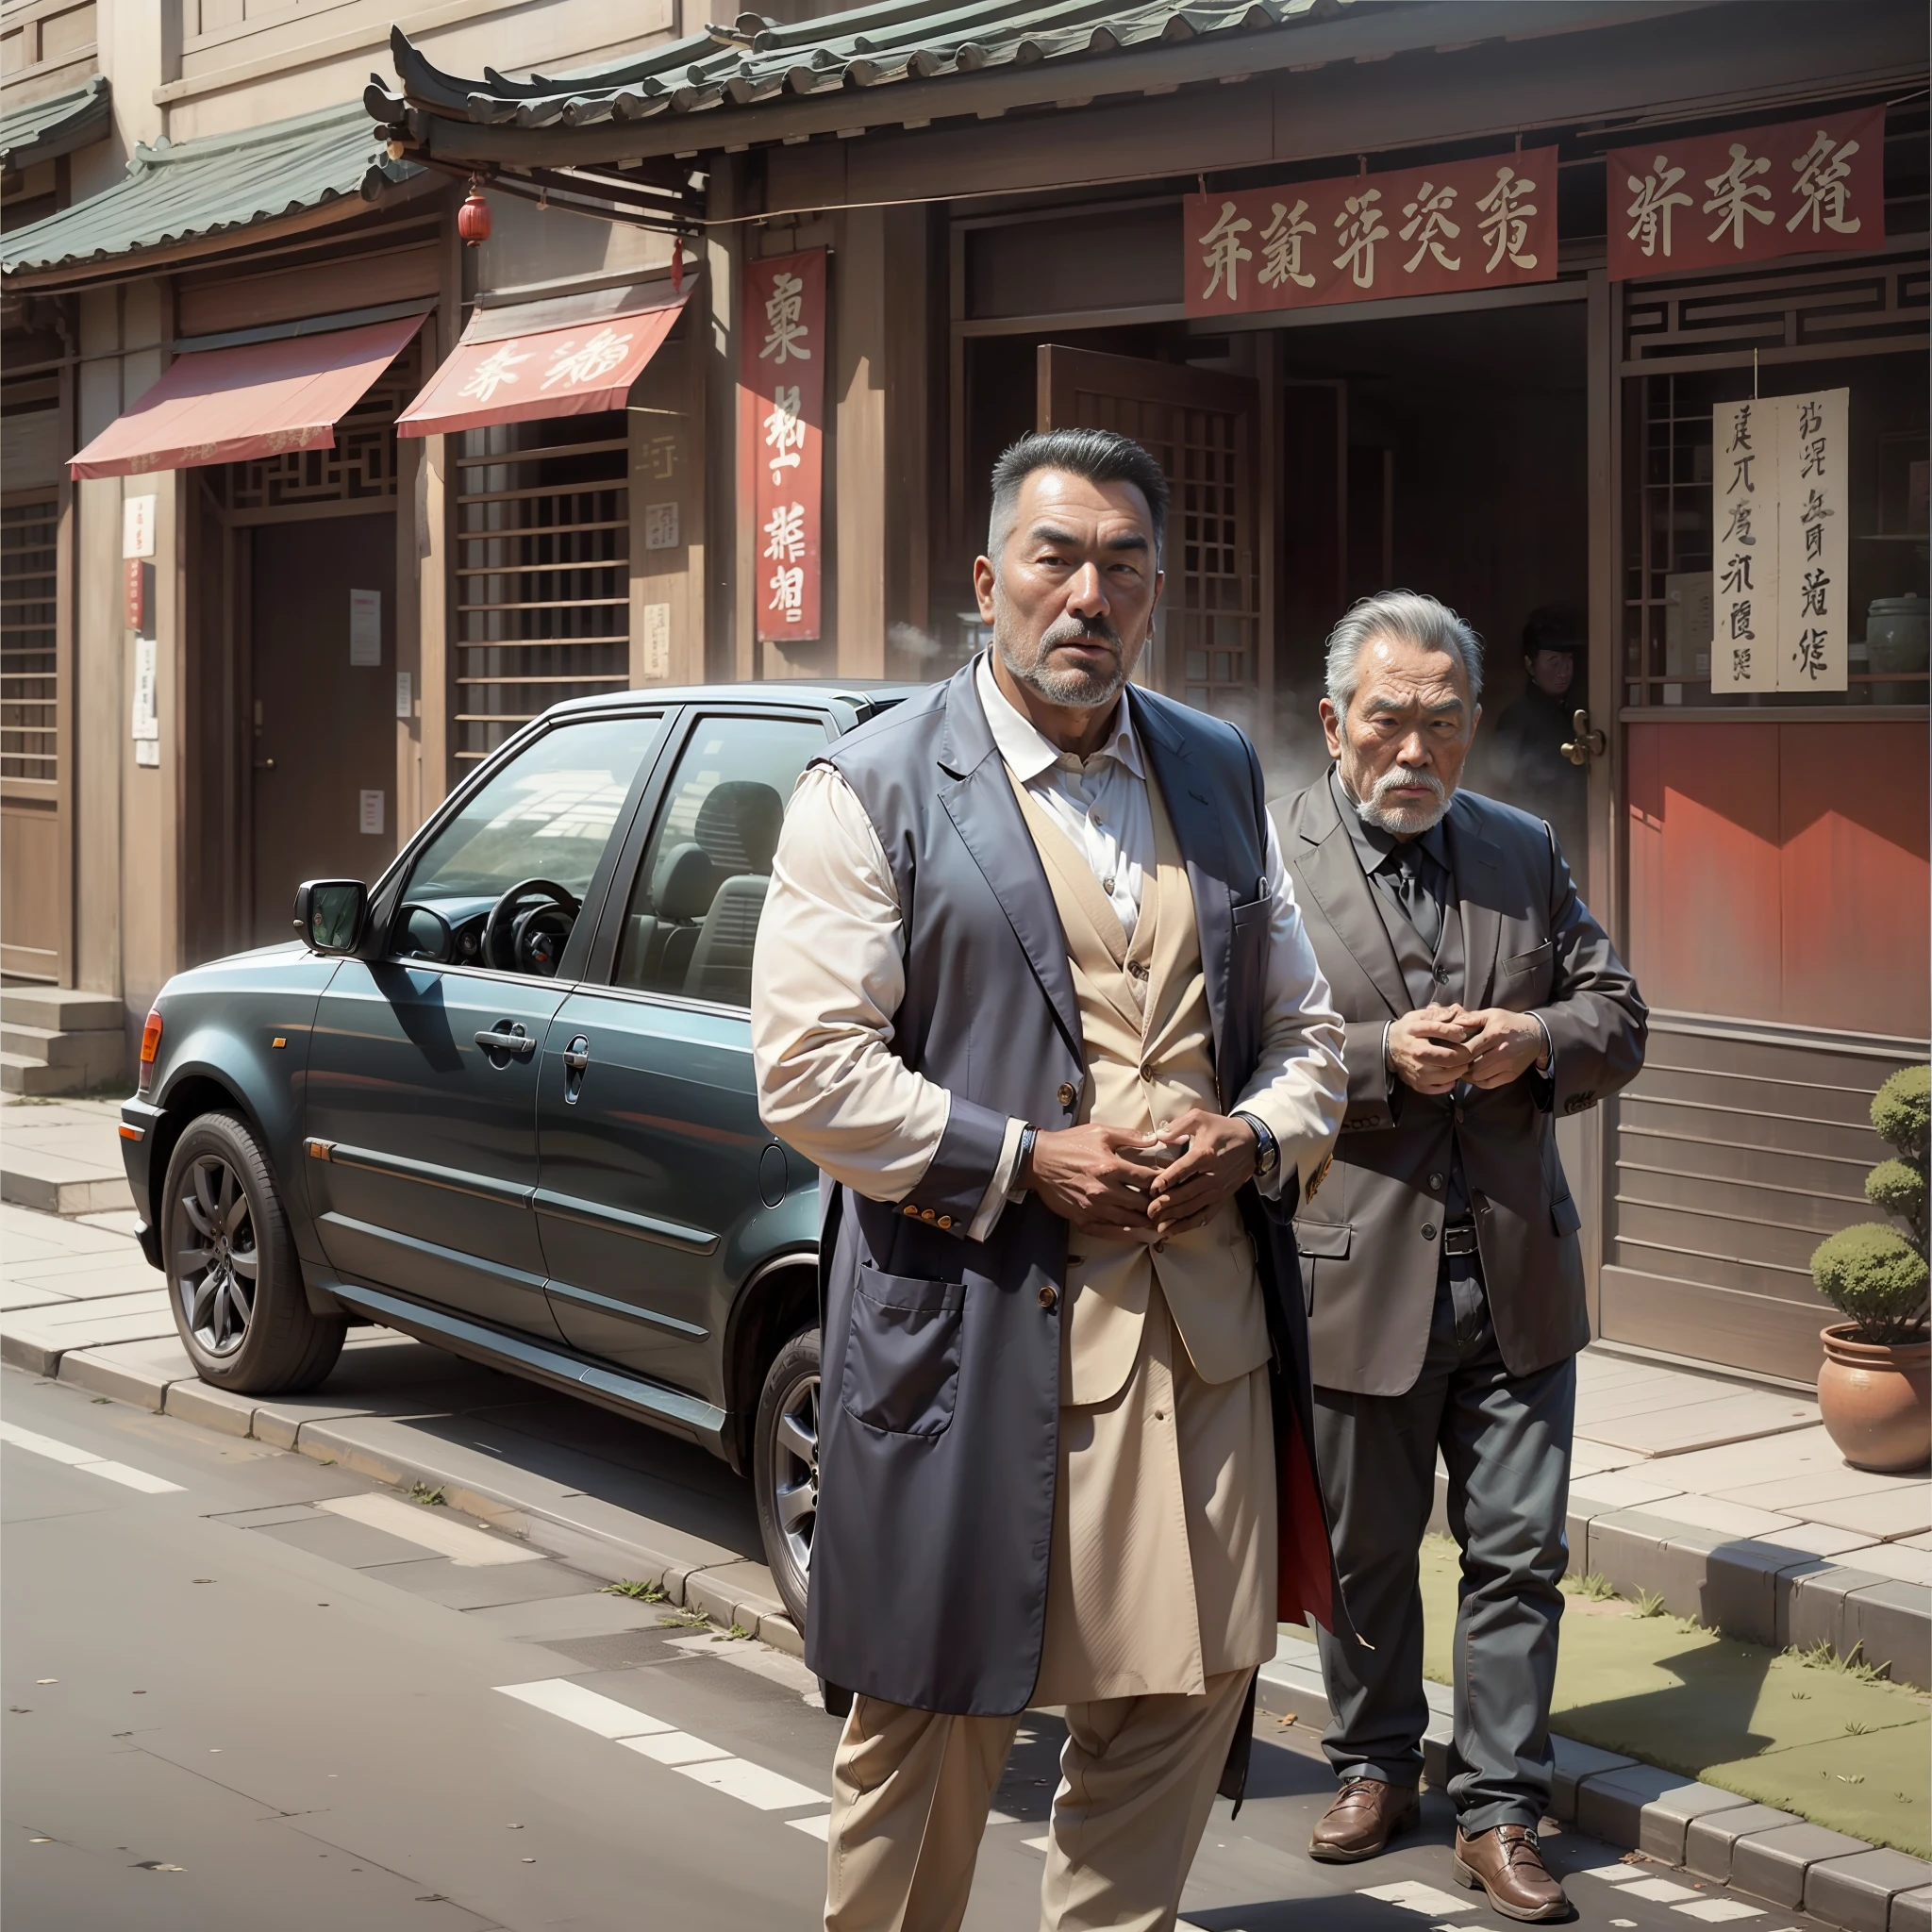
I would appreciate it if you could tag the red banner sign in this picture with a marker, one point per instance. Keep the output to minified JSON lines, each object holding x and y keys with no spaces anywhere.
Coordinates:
{"x":1726,"y":199}
{"x":1417,"y":231}
{"x":783,"y":376}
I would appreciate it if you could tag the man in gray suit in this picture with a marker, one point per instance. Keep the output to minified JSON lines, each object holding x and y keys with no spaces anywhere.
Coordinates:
{"x":1441,"y":1267}
{"x":1032,"y":990}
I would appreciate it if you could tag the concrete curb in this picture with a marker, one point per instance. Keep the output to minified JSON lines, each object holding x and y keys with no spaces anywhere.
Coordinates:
{"x":1713,"y":1833}
{"x":592,"y":1534}
{"x":1678,"y":1821}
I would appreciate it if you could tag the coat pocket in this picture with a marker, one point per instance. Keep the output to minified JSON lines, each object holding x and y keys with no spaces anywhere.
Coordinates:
{"x":902,"y":1353}
{"x":1564,"y":1216}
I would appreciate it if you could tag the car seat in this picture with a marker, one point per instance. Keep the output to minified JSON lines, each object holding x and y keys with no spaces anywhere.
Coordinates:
{"x":738,"y":826}
{"x":658,"y":944}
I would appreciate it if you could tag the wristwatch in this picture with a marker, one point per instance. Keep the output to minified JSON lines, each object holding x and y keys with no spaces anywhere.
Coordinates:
{"x":1267,"y":1155}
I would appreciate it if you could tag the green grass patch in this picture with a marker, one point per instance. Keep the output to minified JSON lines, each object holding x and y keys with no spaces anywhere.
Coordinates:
{"x":1819,"y":1735}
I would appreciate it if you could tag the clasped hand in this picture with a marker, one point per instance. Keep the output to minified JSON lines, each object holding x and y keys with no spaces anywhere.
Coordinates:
{"x":1434,"y":1047}
{"x":1100,"y":1179}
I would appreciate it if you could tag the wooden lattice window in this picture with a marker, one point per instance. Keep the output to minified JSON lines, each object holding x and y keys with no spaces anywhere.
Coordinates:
{"x":542,"y":567}
{"x":29,"y":686}
{"x":361,"y":468}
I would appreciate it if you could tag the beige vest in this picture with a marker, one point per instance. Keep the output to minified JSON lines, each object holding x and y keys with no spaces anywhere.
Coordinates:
{"x":1150,"y":1056}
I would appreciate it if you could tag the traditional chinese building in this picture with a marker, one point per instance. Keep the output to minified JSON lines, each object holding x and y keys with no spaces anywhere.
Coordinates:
{"x":1608,"y":316}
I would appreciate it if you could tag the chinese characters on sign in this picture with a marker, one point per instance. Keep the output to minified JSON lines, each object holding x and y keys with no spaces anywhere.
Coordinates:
{"x":1422,"y":231}
{"x":1797,"y":188}
{"x":783,"y":376}
{"x":1779,"y":488}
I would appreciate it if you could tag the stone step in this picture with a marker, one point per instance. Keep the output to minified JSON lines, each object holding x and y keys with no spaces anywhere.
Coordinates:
{"x":57,"y":1183}
{"x":62,"y":1009}
{"x":93,"y":1057}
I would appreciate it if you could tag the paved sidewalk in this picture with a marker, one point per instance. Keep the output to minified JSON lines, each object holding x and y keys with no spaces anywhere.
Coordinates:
{"x":62,"y":1156}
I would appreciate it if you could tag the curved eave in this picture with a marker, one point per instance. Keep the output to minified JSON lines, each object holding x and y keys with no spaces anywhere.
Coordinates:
{"x":89,"y":117}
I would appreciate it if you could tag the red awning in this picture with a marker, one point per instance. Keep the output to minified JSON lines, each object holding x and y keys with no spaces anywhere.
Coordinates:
{"x":226,"y":406}
{"x":509,"y":368}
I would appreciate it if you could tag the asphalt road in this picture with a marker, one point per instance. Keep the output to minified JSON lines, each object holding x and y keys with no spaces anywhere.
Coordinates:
{"x":247,"y":1689}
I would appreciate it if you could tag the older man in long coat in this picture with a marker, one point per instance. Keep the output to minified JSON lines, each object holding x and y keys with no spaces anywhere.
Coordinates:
{"x":1032,"y":989}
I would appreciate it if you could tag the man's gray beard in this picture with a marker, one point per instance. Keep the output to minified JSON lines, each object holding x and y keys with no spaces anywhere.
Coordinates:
{"x":1076,"y":690}
{"x":1405,"y":821}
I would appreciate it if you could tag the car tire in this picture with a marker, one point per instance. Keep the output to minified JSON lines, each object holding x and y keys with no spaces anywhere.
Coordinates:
{"x":234,"y":1283}
{"x":785,"y":1466}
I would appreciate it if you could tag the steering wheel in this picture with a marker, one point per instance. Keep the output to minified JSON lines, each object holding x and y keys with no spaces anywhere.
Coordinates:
{"x":528,"y":937}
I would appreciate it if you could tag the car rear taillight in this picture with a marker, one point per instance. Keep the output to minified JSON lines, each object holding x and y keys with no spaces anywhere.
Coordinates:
{"x":150,"y":1045}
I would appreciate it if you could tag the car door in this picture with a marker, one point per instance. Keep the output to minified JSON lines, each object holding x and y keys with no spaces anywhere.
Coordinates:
{"x":653,"y":1156}
{"x":420,"y":1110}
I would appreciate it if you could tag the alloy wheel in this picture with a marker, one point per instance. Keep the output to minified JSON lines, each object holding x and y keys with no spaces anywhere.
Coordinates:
{"x":217,"y":1269}
{"x":796,"y":1471}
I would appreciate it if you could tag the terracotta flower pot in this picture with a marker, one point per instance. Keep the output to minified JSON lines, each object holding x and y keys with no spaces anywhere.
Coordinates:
{"x":1875,"y":1399}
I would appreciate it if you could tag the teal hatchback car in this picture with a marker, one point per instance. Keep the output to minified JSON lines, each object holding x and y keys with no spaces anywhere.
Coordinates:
{"x":502,"y":1100}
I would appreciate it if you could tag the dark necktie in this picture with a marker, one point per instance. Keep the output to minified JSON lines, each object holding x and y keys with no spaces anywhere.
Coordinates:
{"x":1415,"y":878}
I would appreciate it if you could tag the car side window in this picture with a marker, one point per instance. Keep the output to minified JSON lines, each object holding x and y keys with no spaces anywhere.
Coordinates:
{"x":545,"y":816}
{"x":694,"y":909}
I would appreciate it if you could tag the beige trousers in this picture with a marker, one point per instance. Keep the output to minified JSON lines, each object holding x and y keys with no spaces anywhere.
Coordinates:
{"x":910,"y":1791}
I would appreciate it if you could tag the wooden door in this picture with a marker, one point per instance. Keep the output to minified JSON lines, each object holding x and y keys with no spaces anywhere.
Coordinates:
{"x":1207,"y":645}
{"x":32,"y":847}
{"x":323,"y":736}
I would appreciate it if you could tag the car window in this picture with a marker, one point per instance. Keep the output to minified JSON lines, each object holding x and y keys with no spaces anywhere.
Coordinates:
{"x":547,"y":814}
{"x":701,"y":887}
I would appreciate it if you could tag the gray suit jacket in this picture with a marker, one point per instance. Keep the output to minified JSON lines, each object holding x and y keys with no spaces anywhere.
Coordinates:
{"x":1370,"y":1238}
{"x":940,"y":1412}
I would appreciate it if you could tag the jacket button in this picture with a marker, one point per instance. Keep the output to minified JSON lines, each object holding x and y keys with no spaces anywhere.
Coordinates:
{"x":1458,"y":1116}
{"x":928,"y":1214}
{"x":945,"y":1221}
{"x":1436,"y":1183}
{"x":1049,"y":1294}
{"x":912,"y":1213}
{"x":1066,"y":1097}
{"x":1428,"y":1230}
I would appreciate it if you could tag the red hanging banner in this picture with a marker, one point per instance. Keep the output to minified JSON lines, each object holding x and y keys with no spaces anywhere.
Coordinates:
{"x":1416,"y":231}
{"x":1800,"y":187}
{"x":783,"y":376}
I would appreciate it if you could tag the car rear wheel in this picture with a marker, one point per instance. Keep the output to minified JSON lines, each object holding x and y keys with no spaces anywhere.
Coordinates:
{"x":785,"y":1457}
{"x":234,"y":1283}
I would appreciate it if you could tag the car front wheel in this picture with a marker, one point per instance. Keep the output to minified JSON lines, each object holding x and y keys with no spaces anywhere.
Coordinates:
{"x":234,"y":1283}
{"x":785,"y":1457}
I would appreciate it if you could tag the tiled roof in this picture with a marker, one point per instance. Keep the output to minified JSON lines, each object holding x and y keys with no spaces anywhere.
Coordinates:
{"x":210,"y":187}
{"x":756,"y":60}
{"x":57,"y":125}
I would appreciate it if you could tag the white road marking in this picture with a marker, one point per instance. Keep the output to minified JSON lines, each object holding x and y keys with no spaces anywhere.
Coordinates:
{"x":563,"y":1698}
{"x":1412,"y":1895}
{"x":1610,"y":1874}
{"x":813,"y":1827}
{"x":693,"y":1757}
{"x":1718,"y":1911}
{"x":86,"y":1460}
{"x":1660,"y":1890}
{"x":468,"y":1549}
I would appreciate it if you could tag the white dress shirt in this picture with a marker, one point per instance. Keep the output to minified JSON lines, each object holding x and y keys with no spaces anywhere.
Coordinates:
{"x":828,"y":973}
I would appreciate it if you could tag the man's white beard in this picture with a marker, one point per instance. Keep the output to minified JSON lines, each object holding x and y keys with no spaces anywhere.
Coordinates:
{"x":1403,"y":820}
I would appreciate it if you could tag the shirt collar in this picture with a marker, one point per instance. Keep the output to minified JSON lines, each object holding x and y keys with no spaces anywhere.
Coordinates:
{"x":1028,"y":754}
{"x":1372,"y":845}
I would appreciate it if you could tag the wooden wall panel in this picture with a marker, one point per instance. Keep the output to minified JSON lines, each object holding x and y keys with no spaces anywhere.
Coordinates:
{"x":1853,"y":877}
{"x":223,"y":303}
{"x":1704,"y":925}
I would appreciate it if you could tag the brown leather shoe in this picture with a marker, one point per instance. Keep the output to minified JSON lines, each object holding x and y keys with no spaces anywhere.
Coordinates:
{"x":1507,"y":1864}
{"x":1366,"y":1814}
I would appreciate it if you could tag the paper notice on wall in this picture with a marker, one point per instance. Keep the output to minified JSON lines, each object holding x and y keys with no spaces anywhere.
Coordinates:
{"x":1745,"y":446}
{"x":145,"y":724}
{"x":147,"y":753}
{"x":1813,"y":467}
{"x":656,"y":659}
{"x":137,"y":527}
{"x":406,"y":695}
{"x":365,"y":627}
{"x":660,"y":527}
{"x":371,"y":811}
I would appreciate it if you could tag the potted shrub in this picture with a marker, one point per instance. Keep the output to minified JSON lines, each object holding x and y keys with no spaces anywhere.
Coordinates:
{"x":1873,"y":1391}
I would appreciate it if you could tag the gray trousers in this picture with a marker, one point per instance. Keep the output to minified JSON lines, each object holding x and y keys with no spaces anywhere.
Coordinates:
{"x":1506,"y":1442}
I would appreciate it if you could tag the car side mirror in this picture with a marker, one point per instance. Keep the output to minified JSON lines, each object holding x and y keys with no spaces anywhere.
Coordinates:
{"x":328,"y":914}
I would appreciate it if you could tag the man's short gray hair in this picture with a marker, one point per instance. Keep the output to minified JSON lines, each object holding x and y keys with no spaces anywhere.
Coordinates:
{"x":1100,"y":455}
{"x":1410,"y":616}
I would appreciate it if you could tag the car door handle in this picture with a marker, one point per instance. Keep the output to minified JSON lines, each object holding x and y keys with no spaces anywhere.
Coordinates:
{"x":519,"y":1044}
{"x":575,"y":1058}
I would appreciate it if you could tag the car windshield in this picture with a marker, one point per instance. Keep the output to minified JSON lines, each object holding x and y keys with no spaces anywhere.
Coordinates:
{"x":546,"y":814}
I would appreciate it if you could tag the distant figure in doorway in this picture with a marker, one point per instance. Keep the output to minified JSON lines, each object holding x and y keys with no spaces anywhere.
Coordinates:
{"x":1527,"y":762}
{"x":1441,"y":1264}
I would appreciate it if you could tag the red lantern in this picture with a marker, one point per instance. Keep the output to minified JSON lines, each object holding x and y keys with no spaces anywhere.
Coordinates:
{"x":473,"y":217}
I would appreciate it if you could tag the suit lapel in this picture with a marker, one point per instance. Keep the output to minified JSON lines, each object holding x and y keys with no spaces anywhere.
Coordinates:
{"x":1333,"y":877}
{"x":977,"y":796}
{"x":1478,"y":873}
